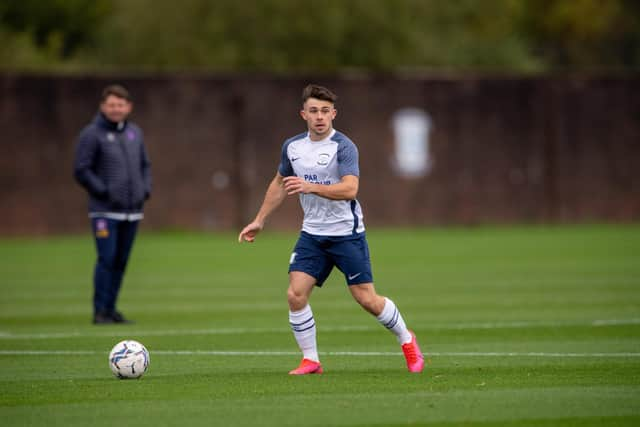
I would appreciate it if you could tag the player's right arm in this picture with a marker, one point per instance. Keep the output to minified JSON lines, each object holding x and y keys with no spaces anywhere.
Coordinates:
{"x":273,"y":198}
{"x":86,"y":153}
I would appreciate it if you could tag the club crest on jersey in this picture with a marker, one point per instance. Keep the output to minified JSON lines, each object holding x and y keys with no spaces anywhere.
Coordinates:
{"x":111,"y":137}
{"x":102,"y":229}
{"x":323,"y":159}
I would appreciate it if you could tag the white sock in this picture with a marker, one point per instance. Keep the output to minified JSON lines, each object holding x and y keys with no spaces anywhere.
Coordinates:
{"x":304,"y":330}
{"x":391,"y":319}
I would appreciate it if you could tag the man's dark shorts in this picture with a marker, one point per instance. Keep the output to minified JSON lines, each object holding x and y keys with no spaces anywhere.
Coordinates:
{"x":317,"y":255}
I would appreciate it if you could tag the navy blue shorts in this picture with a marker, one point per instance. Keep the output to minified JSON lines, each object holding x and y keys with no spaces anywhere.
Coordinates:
{"x":317,"y":255}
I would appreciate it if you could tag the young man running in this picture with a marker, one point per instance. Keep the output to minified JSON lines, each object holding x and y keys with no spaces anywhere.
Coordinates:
{"x":321,"y":166}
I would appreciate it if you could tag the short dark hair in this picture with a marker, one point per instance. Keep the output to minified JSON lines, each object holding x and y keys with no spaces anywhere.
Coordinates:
{"x":318,"y":92}
{"x":116,"y":90}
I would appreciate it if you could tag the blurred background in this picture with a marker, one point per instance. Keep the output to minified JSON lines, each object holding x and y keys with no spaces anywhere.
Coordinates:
{"x":465,"y":112}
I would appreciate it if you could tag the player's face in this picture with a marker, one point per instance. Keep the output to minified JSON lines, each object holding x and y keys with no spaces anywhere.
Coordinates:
{"x":115,"y":109}
{"x":319,"y":116}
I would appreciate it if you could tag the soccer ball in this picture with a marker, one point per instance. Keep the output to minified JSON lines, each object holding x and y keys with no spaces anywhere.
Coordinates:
{"x":129,"y":359}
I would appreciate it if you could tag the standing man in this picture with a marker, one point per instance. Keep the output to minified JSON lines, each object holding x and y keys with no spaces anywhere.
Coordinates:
{"x":112,"y":165}
{"x":321,"y":166}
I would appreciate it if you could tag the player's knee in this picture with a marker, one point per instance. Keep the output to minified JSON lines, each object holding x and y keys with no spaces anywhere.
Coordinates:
{"x":297,"y":300}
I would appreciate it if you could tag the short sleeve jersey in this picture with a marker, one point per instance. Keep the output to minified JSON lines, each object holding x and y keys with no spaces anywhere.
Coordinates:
{"x":324,"y":162}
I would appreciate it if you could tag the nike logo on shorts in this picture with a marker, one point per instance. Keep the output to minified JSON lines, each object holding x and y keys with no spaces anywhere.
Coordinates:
{"x":351,"y":277}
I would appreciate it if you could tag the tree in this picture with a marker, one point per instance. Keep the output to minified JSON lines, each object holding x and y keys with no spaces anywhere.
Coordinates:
{"x":285,"y":36}
{"x":60,"y":26}
{"x":584,"y":33}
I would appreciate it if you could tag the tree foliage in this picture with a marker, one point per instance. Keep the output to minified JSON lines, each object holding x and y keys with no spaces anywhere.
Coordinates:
{"x":56,"y":27}
{"x":585,"y":33}
{"x":328,"y":36}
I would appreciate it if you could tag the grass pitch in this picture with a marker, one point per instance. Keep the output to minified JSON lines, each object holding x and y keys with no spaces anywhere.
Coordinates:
{"x":522,"y":326}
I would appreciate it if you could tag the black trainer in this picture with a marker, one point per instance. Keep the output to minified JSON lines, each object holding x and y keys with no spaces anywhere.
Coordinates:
{"x":102,"y":318}
{"x":118,"y":317}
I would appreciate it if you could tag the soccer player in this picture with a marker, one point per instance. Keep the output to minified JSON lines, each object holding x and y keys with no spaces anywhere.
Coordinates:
{"x":112,"y":165}
{"x":321,"y":166}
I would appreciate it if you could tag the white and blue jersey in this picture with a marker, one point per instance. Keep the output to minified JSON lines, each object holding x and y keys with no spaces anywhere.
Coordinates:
{"x":324,"y":162}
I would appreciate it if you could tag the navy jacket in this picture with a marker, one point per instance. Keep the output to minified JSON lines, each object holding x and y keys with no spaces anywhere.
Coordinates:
{"x":112,"y":165}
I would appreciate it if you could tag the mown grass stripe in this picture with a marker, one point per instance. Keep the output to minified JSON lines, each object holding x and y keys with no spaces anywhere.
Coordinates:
{"x":328,"y":353}
{"x":4,"y":335}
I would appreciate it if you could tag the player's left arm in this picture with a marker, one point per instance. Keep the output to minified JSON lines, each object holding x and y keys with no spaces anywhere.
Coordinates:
{"x":346,"y":189}
{"x":145,"y":166}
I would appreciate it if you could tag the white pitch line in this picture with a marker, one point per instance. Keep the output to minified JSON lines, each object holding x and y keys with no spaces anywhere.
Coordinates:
{"x":328,"y":353}
{"x":5,"y":335}
{"x":533,"y":354}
